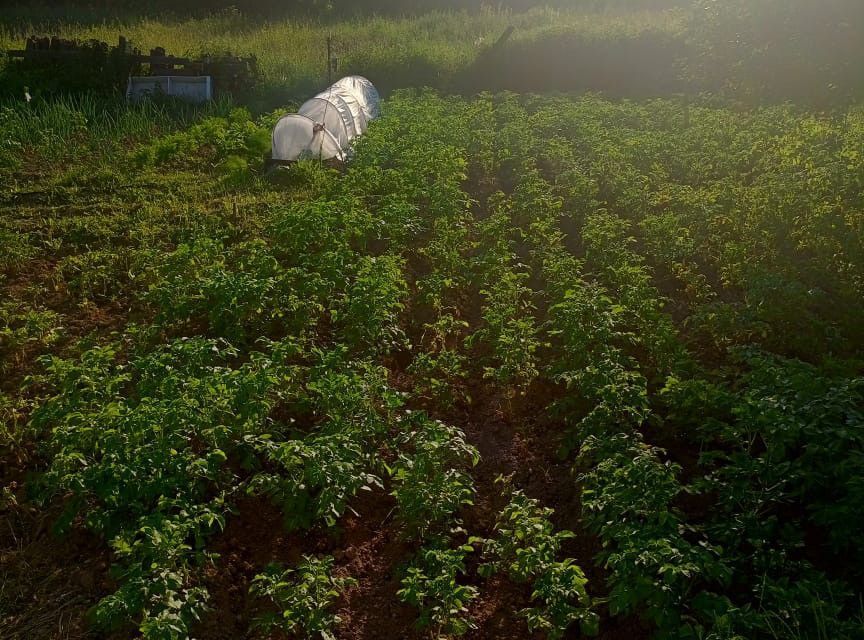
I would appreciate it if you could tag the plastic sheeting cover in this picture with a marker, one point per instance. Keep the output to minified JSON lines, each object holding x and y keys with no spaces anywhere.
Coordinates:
{"x":356,"y":113}
{"x":333,"y":113}
{"x":342,"y":112}
{"x":295,"y":137}
{"x":365,"y":92}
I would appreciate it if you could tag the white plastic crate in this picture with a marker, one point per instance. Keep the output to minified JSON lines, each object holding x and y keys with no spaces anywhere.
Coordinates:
{"x":191,"y":88}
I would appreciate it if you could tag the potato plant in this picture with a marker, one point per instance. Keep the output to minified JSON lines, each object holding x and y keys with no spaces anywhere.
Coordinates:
{"x":303,"y":597}
{"x":429,"y":477}
{"x":526,"y":547}
{"x":509,"y":328}
{"x":431,"y":584}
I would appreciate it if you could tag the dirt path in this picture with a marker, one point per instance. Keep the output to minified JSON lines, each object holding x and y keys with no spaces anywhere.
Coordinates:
{"x":517,"y":438}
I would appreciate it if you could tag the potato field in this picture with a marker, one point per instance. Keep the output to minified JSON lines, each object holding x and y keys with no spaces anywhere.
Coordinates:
{"x":527,"y":366}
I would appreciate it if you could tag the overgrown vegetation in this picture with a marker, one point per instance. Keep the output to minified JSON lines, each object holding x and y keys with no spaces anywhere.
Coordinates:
{"x":763,"y":51}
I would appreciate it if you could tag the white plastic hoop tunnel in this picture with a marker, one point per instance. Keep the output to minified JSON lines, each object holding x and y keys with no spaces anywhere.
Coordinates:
{"x":365,"y":92}
{"x":326,"y":124}
{"x":296,"y":137}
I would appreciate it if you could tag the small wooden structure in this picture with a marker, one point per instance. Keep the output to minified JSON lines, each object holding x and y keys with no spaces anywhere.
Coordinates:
{"x":229,"y":73}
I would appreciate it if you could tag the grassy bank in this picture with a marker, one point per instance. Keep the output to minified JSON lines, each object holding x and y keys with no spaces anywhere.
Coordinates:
{"x":753,"y":52}
{"x":429,"y":49}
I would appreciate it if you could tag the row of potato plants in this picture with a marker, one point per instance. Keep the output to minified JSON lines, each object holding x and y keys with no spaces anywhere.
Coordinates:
{"x":435,"y":580}
{"x":257,"y":375}
{"x":619,"y":343}
{"x":652,"y":351}
{"x":591,"y":333}
{"x":429,"y":483}
{"x":445,"y":275}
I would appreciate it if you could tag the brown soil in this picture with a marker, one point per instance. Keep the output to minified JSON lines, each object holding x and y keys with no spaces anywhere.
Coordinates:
{"x":49,"y":582}
{"x":516,"y":439}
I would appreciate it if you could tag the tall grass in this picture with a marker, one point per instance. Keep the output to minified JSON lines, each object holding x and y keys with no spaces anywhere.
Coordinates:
{"x":64,"y":125}
{"x":752,"y":50}
{"x":395,"y":51}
